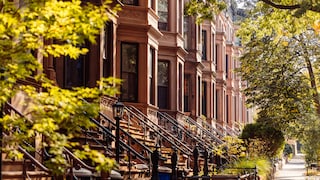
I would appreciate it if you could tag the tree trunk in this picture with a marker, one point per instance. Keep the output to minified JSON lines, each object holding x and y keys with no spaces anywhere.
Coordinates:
{"x":313,"y":85}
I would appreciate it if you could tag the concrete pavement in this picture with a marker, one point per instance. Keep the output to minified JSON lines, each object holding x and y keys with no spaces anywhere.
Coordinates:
{"x":295,"y":169}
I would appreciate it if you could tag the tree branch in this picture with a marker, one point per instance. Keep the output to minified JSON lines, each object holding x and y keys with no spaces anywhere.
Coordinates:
{"x":279,"y":6}
{"x":290,"y":7}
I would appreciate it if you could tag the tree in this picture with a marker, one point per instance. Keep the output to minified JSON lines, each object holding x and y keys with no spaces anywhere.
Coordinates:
{"x":282,"y":85}
{"x":263,"y":139}
{"x":278,"y":78}
{"x":280,"y":64}
{"x":204,"y":9}
{"x":50,"y":28}
{"x":232,"y":149}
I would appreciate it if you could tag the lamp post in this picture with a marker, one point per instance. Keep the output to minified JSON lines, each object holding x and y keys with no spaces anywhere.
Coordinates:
{"x":117,"y":115}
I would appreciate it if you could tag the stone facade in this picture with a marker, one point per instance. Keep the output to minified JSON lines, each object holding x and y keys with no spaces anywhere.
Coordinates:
{"x":168,"y":63}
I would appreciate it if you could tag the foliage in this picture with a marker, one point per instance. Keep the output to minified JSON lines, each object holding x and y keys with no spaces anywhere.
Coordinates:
{"x":310,"y":141}
{"x":263,"y":166}
{"x":203,"y":10}
{"x":50,"y":28}
{"x":280,"y":64}
{"x":281,"y":78}
{"x":231,"y":149}
{"x":263,"y":140}
{"x":265,"y":20}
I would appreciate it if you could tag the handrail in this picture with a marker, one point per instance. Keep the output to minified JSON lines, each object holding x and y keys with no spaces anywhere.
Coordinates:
{"x":208,"y":126}
{"x":188,"y":133}
{"x":123,"y":131}
{"x":172,"y":141}
{"x":224,"y":129}
{"x":98,"y":142}
{"x":232,"y":130}
{"x":203,"y":129}
{"x":29,"y":156}
{"x":121,"y":142}
{"x":35,"y":161}
{"x":17,"y":111}
{"x":79,"y":161}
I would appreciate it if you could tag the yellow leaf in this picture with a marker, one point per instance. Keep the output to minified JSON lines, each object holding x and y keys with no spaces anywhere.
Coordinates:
{"x":316,"y":26}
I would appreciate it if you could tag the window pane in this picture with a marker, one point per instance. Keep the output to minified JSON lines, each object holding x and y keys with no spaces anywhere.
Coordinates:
{"x":107,"y":48}
{"x":163,"y":14}
{"x":204,"y":45}
{"x":186,"y":93}
{"x":185,"y":32}
{"x":130,"y":2}
{"x":163,"y":84}
{"x":74,"y":72}
{"x":204,"y":98}
{"x":163,"y":68}
{"x":129,"y":72}
{"x":150,"y":74}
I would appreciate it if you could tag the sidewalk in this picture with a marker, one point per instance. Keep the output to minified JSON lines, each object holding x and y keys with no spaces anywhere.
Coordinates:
{"x":294,"y":170}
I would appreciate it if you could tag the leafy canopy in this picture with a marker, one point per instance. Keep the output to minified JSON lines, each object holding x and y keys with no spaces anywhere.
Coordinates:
{"x":50,"y":28}
{"x":204,"y":10}
{"x":263,"y":140}
{"x":280,"y":63}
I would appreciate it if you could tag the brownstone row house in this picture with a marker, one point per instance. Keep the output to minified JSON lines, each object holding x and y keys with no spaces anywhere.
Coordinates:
{"x":169,"y":65}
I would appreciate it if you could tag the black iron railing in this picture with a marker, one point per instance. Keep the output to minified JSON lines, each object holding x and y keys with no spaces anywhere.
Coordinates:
{"x":163,"y":134}
{"x":181,"y":132}
{"x":202,"y":131}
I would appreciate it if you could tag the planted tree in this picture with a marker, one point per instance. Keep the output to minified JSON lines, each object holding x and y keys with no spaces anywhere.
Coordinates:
{"x":280,"y":65}
{"x":35,"y":29}
{"x":263,"y":140}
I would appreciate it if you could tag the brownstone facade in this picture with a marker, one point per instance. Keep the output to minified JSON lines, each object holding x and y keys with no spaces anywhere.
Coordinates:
{"x":168,"y":63}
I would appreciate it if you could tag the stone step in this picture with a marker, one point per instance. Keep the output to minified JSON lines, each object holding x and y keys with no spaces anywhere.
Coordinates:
{"x":31,"y":175}
{"x":16,"y":165}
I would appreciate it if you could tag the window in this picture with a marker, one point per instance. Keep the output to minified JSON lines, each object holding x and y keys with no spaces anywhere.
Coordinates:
{"x":180,"y":16}
{"x":180,"y":88}
{"x":217,"y":104}
{"x":227,"y":108}
{"x":199,"y":95}
{"x":153,"y":4}
{"x":213,"y":50}
{"x":185,"y":32}
{"x":151,"y":75}
{"x":107,"y":50}
{"x":163,"y":14}
{"x":204,"y":45}
{"x":163,"y":84}
{"x":76,"y":71}
{"x":235,"y":108}
{"x":204,"y":98}
{"x":129,"y":71}
{"x":227,"y":64}
{"x":217,"y":53}
{"x":213,"y":100}
{"x":130,"y":2}
{"x":187,"y":93}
